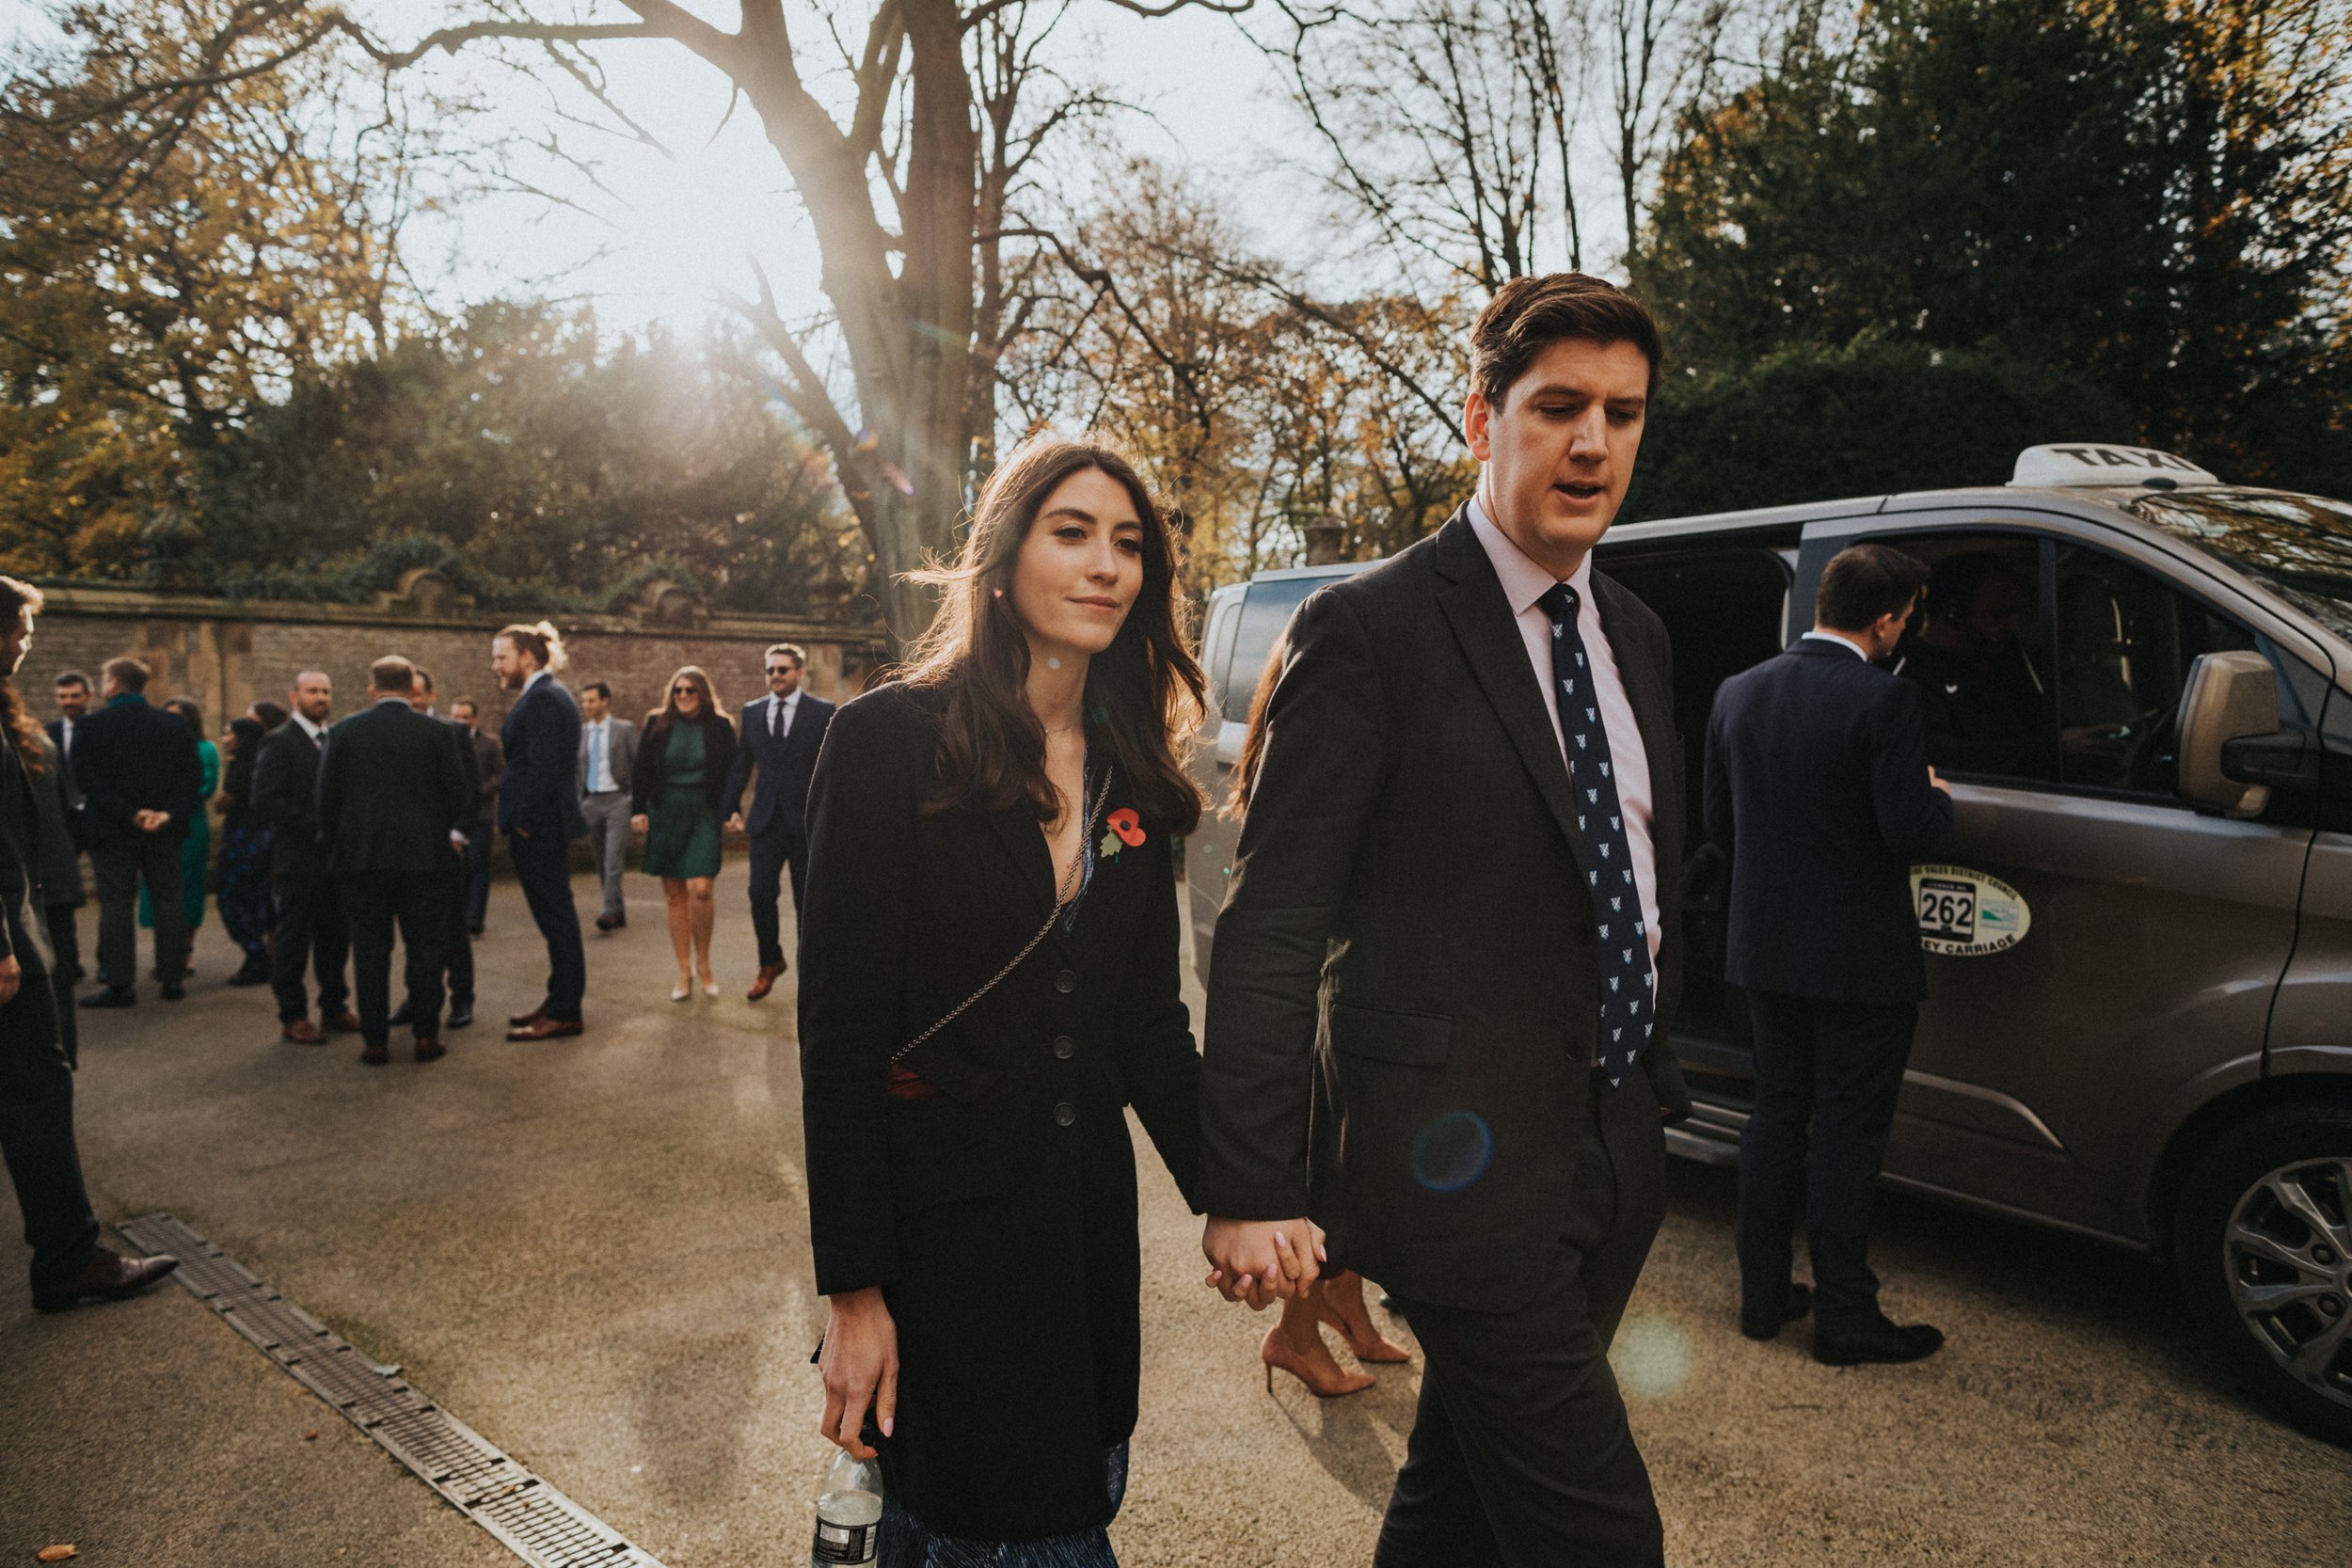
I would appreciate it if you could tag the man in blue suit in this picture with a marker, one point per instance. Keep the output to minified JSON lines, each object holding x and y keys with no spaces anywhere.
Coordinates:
{"x":539,"y":814}
{"x":781,"y":734}
{"x":1817,"y":786}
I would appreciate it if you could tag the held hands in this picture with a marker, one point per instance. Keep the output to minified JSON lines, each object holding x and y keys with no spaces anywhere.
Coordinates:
{"x":735,"y":823}
{"x":860,"y":1366}
{"x":638,"y":823}
{"x":1261,"y":1261}
{"x":11,"y":976}
{"x":150,"y":821}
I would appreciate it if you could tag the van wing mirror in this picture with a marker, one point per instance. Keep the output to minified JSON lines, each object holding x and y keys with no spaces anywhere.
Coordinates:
{"x":2230,"y":696}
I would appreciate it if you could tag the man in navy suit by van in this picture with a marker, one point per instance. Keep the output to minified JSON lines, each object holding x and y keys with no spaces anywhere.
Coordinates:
{"x":1817,"y":786}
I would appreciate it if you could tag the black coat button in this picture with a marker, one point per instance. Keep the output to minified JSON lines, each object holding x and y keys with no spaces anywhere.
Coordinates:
{"x":1064,"y":1048}
{"x":1065,"y":1114}
{"x":1066,"y":982}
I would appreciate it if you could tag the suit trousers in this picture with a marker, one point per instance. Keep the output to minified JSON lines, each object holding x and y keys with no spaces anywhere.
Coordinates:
{"x":37,"y":1141}
{"x":418,"y":903}
{"x":65,"y":945}
{"x":458,"y":947}
{"x":543,"y":864}
{"x":121,"y":865}
{"x":771,"y":852}
{"x":608,"y":841}
{"x":1839,"y":1066}
{"x":478,"y":836}
{"x":1520,"y":1452}
{"x":310,"y":931}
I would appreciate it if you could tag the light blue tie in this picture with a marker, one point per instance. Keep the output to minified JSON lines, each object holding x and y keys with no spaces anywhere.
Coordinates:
{"x":595,"y":757}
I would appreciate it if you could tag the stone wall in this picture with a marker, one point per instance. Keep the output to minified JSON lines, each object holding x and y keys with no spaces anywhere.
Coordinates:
{"x":227,"y":653}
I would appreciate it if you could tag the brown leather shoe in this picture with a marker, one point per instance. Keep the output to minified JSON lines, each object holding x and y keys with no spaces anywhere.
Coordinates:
{"x":544,"y":1028}
{"x":769,"y":973}
{"x":107,"y":1276}
{"x":375,"y":1055}
{"x":524,"y":1020}
{"x":345,"y":1023}
{"x":301,"y":1031}
{"x":430,"y":1049}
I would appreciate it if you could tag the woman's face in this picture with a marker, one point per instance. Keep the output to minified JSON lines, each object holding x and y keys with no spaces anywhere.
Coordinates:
{"x":1080,"y":567}
{"x":688,"y":697}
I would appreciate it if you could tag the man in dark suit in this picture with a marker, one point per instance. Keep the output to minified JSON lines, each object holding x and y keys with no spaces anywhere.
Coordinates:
{"x":489,"y":761}
{"x":1438,"y":1018}
{"x":72,"y":691}
{"x":1819,"y":788}
{"x":142,"y":784}
{"x":781,"y":734}
{"x":390,"y":790}
{"x":539,"y":813}
{"x":70,"y":1266}
{"x":457,"y":948}
{"x":311,"y":927}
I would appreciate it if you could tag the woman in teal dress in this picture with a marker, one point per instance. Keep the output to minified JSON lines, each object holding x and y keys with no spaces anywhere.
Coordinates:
{"x":196,"y":850}
{"x":682,"y":763}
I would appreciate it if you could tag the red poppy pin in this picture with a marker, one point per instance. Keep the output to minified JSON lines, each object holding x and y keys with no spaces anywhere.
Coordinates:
{"x":1126,"y":829}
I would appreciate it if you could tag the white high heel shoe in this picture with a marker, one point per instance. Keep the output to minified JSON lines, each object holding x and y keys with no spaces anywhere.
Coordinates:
{"x":679,"y":993}
{"x":710,"y":987}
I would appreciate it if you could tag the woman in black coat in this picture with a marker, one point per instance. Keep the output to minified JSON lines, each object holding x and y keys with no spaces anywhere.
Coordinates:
{"x":1021,"y":785}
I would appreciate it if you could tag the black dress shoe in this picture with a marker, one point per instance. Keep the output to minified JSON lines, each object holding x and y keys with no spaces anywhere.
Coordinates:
{"x":1880,"y":1341}
{"x":460,"y":1014}
{"x":406,"y":1011}
{"x":1797,"y":1303}
{"x":174,"y":992}
{"x":112,"y":997}
{"x":473,"y":930}
{"x":255,"y":972}
{"x":107,"y":1276}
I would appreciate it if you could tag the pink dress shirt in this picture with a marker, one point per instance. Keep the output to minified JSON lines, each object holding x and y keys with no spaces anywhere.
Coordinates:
{"x":1523,"y":583}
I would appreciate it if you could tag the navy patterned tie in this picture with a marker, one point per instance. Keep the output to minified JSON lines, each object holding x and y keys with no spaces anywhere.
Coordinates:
{"x":1622,"y":936}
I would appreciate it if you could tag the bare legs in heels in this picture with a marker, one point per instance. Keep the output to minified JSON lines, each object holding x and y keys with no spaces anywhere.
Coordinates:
{"x":1295,"y":1343}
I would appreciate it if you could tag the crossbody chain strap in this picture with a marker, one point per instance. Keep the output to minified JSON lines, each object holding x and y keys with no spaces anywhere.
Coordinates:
{"x":1068,"y":891}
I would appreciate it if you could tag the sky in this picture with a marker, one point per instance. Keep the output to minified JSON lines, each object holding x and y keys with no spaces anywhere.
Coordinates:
{"x":670,"y":232}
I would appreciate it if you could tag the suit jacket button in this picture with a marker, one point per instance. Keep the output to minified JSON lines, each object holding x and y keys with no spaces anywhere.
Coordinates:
{"x":1066,"y":982}
{"x":1064,"y":1048}
{"x":1065,"y":1114}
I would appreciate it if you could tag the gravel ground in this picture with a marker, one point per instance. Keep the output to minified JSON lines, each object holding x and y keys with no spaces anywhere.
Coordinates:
{"x":594,"y":1252}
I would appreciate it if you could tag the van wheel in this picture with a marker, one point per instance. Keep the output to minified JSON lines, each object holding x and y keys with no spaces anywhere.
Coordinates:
{"x":2263,"y":1246}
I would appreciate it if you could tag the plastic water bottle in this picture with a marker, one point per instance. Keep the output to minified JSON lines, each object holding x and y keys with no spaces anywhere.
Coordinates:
{"x":848,"y":1512}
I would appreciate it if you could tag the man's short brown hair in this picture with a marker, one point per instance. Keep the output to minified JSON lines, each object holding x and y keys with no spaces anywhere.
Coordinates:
{"x":789,"y":650}
{"x":1863,"y":583}
{"x":131,"y":675}
{"x":1530,"y":314}
{"x":392,"y":674}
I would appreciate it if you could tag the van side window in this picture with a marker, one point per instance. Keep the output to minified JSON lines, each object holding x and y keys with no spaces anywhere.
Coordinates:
{"x":1263,"y":614}
{"x":1979,"y":654}
{"x":2125,"y":641}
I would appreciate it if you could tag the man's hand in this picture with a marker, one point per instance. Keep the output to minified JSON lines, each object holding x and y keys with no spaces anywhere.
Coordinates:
{"x":640,"y":822}
{"x":11,"y":976}
{"x":860,"y":1366}
{"x":1936,"y":781}
{"x":1261,"y":1261}
{"x":150,"y":821}
{"x":735,"y":823}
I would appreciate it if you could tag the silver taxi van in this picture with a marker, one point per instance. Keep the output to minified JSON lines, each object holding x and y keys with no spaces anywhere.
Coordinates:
{"x":2140,"y":680}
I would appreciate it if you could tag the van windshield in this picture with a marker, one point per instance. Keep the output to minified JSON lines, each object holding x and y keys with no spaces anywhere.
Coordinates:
{"x":2299,"y":546}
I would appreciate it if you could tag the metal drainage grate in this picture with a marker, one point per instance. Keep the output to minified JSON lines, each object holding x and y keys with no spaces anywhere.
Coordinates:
{"x":536,"y":1522}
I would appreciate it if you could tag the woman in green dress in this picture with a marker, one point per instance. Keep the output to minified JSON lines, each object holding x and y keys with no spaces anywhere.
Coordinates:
{"x":682,"y":762}
{"x":196,"y":850}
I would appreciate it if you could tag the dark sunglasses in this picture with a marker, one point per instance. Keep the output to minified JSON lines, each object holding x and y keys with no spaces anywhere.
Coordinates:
{"x":782,"y":669}
{"x":682,"y":691}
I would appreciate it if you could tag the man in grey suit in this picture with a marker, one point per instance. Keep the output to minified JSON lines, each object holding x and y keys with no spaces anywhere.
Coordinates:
{"x":608,"y":756}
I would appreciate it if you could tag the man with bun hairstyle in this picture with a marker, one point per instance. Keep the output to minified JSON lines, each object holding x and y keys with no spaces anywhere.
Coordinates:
{"x":539,"y":814}
{"x":1437,"y":1024}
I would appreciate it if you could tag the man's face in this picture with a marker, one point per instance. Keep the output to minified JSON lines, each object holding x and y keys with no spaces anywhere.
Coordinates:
{"x":420,"y":696}
{"x":593,"y":707}
{"x":72,"y":699}
{"x":313,"y":697}
{"x":462,"y":713}
{"x":784,"y":674}
{"x":509,"y":665}
{"x":1994,"y":620}
{"x":1559,"y":451}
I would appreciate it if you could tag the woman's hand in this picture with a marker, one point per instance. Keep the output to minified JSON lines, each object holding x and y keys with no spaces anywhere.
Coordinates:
{"x":860,"y":1366}
{"x":638,"y":823}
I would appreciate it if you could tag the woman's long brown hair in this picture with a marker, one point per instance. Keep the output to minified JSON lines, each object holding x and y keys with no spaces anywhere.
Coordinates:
{"x":1145,"y":694}
{"x":17,"y":599}
{"x":657,"y":723}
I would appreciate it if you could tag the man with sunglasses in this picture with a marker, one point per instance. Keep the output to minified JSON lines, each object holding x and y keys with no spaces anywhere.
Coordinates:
{"x":781,"y":735}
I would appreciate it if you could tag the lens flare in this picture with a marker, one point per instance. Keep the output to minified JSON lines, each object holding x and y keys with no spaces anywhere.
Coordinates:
{"x":1651,"y":1358}
{"x":1452,"y":1151}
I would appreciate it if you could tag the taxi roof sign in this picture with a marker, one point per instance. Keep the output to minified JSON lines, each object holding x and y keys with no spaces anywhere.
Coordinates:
{"x":2104,"y":463}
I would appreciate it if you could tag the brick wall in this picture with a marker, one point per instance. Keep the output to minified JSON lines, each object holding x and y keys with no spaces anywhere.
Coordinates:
{"x":227,"y":654}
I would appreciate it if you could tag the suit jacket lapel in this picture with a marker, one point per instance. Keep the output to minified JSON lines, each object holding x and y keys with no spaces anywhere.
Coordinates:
{"x":1490,"y":638}
{"x":1016,"y":825}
